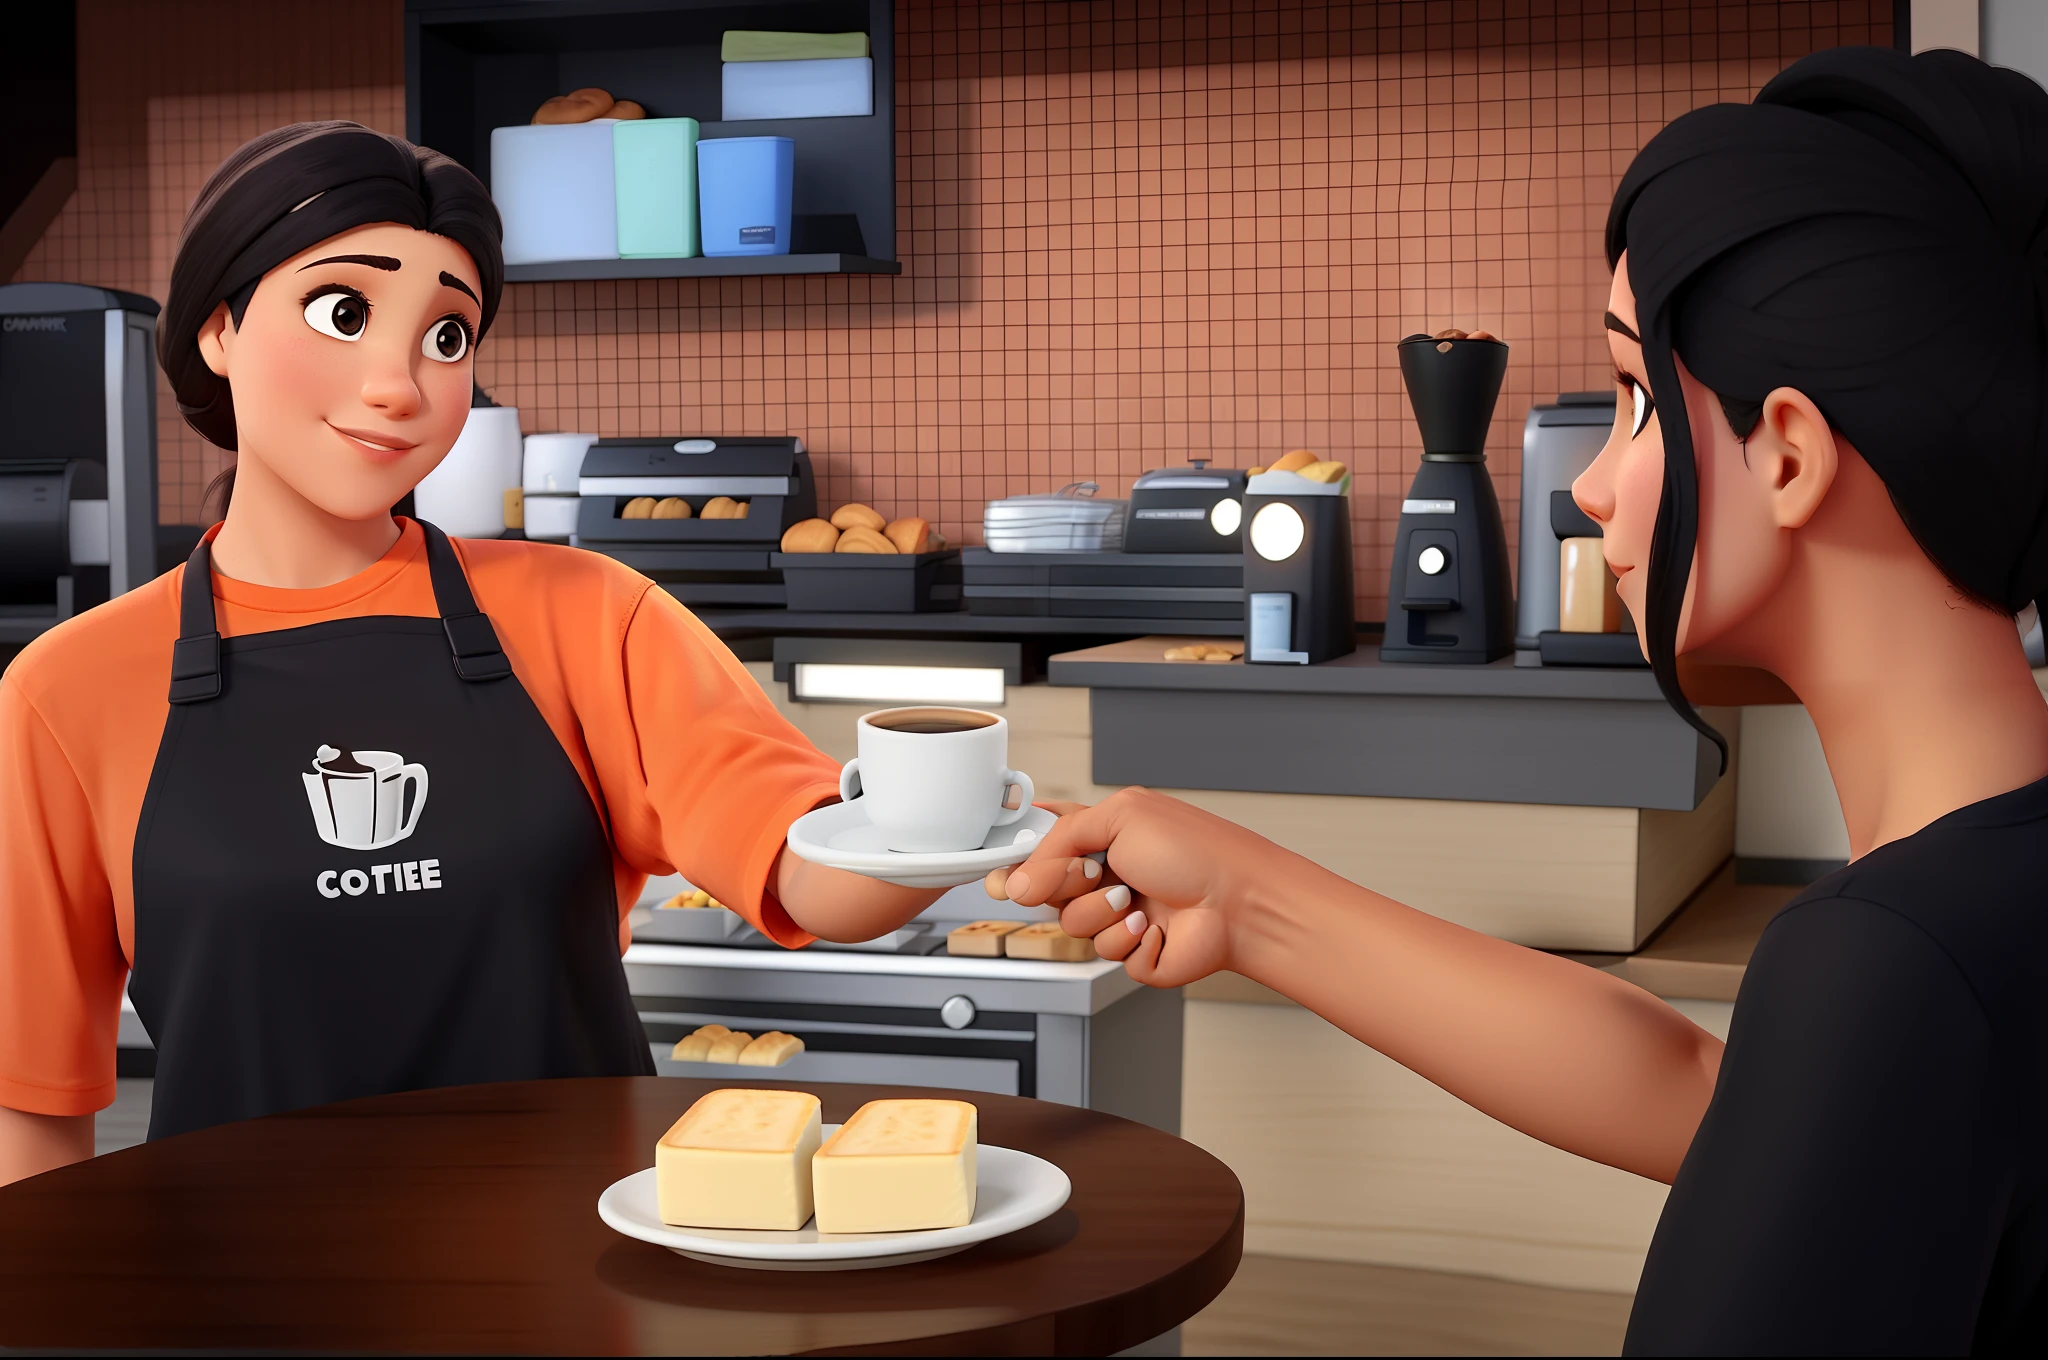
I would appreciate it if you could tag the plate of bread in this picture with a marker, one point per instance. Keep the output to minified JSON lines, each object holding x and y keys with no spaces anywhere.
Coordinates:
{"x":840,"y":836}
{"x":753,"y":1179}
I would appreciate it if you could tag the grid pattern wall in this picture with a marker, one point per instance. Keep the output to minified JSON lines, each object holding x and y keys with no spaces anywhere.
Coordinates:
{"x":1133,"y":231}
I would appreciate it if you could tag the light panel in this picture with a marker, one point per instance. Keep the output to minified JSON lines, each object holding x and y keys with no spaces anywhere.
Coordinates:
{"x":896,"y":684}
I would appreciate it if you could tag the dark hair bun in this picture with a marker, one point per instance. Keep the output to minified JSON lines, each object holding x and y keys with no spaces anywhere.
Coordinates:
{"x":286,"y":191}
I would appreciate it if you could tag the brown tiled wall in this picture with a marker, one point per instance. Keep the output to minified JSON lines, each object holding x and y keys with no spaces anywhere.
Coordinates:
{"x":1131,"y":232}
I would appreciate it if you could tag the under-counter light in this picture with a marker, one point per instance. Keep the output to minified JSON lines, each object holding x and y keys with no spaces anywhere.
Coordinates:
{"x":897,"y":684}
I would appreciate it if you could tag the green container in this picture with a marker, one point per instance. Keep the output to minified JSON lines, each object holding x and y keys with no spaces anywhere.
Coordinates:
{"x":656,"y":163}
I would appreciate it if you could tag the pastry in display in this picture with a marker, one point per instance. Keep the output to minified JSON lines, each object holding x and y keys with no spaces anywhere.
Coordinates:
{"x":1045,"y":940}
{"x":640,"y":507}
{"x":898,"y":1166}
{"x":1206,"y":651}
{"x":696,"y":897}
{"x":910,"y":535}
{"x":854,"y":515}
{"x":1329,"y":473}
{"x":626,"y":109}
{"x":694,"y":1047}
{"x":727,"y":1047}
{"x":739,"y":1159}
{"x":858,"y":540}
{"x":722,"y":507}
{"x":772,"y":1049}
{"x":578,"y":106}
{"x":810,"y":536}
{"x":1294,"y":461}
{"x":671,"y":507}
{"x":979,"y":939}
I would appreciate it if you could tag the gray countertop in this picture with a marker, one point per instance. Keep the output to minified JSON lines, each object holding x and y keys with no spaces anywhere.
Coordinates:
{"x":1139,"y":664}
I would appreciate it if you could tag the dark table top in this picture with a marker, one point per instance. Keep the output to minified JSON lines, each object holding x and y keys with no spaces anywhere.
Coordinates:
{"x":466,"y":1220}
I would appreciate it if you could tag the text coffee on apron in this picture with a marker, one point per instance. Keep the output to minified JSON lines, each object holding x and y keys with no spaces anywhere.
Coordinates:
{"x":365,"y":864}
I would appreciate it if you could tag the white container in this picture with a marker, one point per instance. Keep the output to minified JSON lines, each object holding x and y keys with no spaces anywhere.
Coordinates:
{"x":552,"y":518}
{"x":831,"y":87}
{"x":556,"y":189}
{"x":465,"y":495}
{"x":554,"y":462}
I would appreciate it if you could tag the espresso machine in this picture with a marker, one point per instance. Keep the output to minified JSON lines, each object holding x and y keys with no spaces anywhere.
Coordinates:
{"x":78,"y":513}
{"x":1449,"y":598}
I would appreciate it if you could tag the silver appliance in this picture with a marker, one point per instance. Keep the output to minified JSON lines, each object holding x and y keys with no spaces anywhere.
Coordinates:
{"x":78,"y":483}
{"x":1559,"y":441}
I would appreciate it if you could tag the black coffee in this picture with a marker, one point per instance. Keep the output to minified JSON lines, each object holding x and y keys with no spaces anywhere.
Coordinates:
{"x":932,"y":720}
{"x":347,"y":763}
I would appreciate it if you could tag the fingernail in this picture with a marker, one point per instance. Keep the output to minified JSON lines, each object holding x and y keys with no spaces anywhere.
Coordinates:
{"x":1016,"y":883}
{"x":1136,"y":921}
{"x":1118,"y":897}
{"x":1090,"y":869}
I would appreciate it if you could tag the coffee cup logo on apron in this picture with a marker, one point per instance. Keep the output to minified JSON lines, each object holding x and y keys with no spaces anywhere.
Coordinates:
{"x":364,"y":800}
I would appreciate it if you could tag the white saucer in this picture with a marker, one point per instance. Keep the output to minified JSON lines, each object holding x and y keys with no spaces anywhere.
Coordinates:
{"x":840,"y":836}
{"x":1012,"y":1190}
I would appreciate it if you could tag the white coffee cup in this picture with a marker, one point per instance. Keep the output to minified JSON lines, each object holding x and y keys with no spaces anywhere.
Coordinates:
{"x":364,"y":809}
{"x":935,"y":779}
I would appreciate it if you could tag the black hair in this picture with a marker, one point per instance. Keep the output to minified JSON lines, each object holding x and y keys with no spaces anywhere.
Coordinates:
{"x":284,"y":192}
{"x":1873,"y":232}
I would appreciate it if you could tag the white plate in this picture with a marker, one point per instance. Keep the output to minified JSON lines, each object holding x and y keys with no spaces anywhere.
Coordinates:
{"x":840,"y":836}
{"x":1012,"y":1190}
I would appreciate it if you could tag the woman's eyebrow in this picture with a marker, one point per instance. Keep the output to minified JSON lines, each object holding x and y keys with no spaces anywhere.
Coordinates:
{"x":383,"y":262}
{"x":459,"y":285}
{"x":1620,"y":327}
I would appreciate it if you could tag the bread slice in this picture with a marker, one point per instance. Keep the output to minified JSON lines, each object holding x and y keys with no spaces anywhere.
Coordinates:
{"x":739,"y":1159}
{"x":1045,"y":940}
{"x":979,"y":939}
{"x":898,"y":1166}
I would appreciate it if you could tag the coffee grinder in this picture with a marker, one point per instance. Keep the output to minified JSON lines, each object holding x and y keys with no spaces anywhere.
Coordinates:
{"x":1449,"y":599}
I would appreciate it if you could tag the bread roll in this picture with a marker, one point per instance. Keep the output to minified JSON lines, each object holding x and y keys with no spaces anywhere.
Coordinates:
{"x":772,"y":1049}
{"x":810,"y":536}
{"x":863,"y":541}
{"x":1453,"y":333}
{"x":640,"y":507}
{"x":1294,"y":461}
{"x":692,"y":1047}
{"x":578,"y":106}
{"x":720,"y":507}
{"x":1483,"y":335}
{"x":727,"y":1047}
{"x":857,"y":516}
{"x":910,"y":535}
{"x":628,"y":109}
{"x":1327,"y":473}
{"x":1255,"y":472}
{"x":743,"y":510}
{"x":1045,"y":940}
{"x":979,"y":939}
{"x":671,"y":507}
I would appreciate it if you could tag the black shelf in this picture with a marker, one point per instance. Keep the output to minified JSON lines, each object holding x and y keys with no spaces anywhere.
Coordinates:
{"x":699,"y":267}
{"x":472,"y":67}
{"x":733,"y":623}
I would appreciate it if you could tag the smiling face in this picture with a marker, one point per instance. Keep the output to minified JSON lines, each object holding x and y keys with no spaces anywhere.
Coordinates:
{"x":352,"y":368}
{"x":1754,"y":493}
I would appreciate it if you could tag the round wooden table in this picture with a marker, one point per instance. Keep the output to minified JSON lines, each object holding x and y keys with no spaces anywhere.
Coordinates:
{"x":466,"y":1220}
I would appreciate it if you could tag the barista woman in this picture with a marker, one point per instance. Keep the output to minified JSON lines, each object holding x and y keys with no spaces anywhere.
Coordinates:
{"x":1829,"y":324}
{"x":351,"y":807}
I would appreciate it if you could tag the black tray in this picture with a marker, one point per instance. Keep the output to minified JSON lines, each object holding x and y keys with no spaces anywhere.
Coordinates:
{"x":871,"y":583}
{"x":1590,"y":649}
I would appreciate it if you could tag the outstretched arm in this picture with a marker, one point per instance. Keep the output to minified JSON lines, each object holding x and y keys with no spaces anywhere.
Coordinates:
{"x":835,"y":905}
{"x":1563,"y":1052}
{"x":31,"y":1144}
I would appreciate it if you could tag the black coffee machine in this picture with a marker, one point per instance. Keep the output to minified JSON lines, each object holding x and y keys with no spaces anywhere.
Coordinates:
{"x":1449,"y":598}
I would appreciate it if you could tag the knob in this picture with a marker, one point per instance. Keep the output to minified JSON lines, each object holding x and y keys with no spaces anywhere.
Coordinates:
{"x":957,"y":1012}
{"x":1431,"y":561}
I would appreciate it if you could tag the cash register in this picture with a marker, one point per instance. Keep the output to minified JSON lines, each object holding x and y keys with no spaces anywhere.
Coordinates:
{"x":78,"y":486}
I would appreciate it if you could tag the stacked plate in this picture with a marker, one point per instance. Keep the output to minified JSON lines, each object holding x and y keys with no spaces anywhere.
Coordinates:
{"x":1071,"y":519}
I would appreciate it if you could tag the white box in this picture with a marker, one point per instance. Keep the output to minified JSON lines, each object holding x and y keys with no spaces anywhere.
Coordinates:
{"x":556,"y":189}
{"x":834,"y":87}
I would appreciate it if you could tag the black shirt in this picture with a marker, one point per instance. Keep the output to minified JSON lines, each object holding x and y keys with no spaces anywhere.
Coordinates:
{"x":1869,"y":1177}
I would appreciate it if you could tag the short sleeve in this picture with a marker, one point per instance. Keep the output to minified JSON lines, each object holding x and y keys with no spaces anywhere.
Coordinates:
{"x":719,"y":773}
{"x":1849,"y":1185}
{"x":61,"y":967}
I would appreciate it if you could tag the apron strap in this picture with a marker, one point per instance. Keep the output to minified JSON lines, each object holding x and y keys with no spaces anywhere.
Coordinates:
{"x":478,"y":657}
{"x":195,"y":657}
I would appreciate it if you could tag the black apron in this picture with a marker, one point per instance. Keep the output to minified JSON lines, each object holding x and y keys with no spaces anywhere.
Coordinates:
{"x":365,"y":864}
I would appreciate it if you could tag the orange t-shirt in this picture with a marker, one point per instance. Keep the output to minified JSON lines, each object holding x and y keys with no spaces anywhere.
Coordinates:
{"x":689,"y":765}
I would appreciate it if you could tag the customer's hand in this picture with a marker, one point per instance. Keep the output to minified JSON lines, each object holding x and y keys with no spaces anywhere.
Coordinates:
{"x":1083,"y":875}
{"x":1177,"y":874}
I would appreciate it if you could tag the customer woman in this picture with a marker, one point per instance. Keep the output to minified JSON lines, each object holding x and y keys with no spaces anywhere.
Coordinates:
{"x":353,"y":808}
{"x":1829,"y":324}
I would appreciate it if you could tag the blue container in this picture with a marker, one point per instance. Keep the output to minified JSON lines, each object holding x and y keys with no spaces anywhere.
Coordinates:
{"x":744,"y":186}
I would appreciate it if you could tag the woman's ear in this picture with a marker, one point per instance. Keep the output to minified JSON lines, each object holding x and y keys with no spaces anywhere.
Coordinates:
{"x":1793,"y":451}
{"x":216,"y":339}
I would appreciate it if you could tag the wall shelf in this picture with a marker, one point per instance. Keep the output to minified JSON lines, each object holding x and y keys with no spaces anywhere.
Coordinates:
{"x":699,"y":267}
{"x":472,"y":67}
